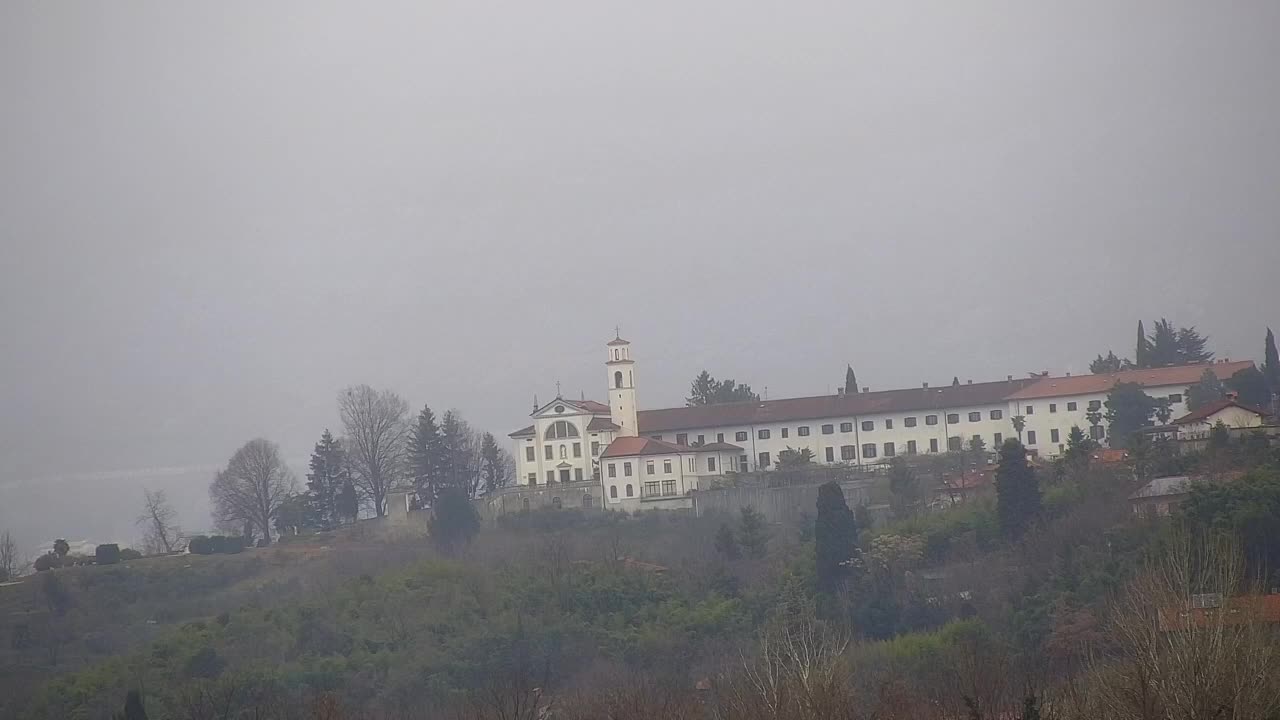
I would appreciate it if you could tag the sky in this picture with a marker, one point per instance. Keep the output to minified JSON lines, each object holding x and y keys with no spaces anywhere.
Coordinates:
{"x":215,"y":216}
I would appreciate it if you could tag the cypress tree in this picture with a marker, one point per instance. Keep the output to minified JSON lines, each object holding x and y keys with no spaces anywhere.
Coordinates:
{"x":454,"y":520}
{"x":1271,"y":364}
{"x":1140,"y":353}
{"x":835,"y":534}
{"x":1017,"y":490}
{"x":348,"y":502}
{"x":850,"y":381}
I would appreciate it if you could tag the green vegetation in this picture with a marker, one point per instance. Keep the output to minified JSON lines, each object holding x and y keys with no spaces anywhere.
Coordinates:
{"x":706,"y":390}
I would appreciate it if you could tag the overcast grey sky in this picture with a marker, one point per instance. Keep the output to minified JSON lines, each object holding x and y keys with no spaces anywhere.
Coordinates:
{"x":216,"y":215}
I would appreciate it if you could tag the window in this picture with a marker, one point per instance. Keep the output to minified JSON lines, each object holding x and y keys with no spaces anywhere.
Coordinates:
{"x":784,"y":432}
{"x":1031,"y":437}
{"x":719,"y":437}
{"x":1031,"y":409}
{"x":1053,"y":435}
{"x":1095,"y":432}
{"x":909,"y":421}
{"x":888,"y":424}
{"x":831,"y":454}
{"x":762,"y":434}
{"x":613,"y":492}
{"x":954,"y":443}
{"x":613,"y":470}
{"x":911,"y":447}
{"x":869,"y":451}
{"x":933,"y":445}
{"x":803,"y":431}
{"x":551,"y":476}
{"x":666,"y":466}
{"x":848,"y":452}
{"x":1071,"y":407}
{"x":764,"y":460}
{"x":846,"y":427}
{"x":1175,"y":398}
{"x":577,"y":474}
{"x":524,"y":504}
{"x":533,"y":478}
{"x":577,"y":449}
{"x":975,"y":416}
{"x":702,"y":440}
{"x":888,"y":449}
{"x":868,"y":425}
{"x":648,"y":467}
{"x":740,"y":436}
{"x":649,"y":489}
{"x":529,"y":453}
{"x":953,"y":417}
{"x":617,"y":377}
{"x":998,"y":438}
{"x":626,"y":469}
{"x":930,"y":419}
{"x":742,"y":463}
{"x":630,"y":491}
{"x":595,"y":448}
{"x":828,"y":429}
{"x":690,"y":463}
{"x":1095,"y":405}
{"x":548,"y":452}
{"x":682,"y":438}
{"x":560,"y":429}
{"x":996,"y":414}
{"x":711,"y":464}
{"x":1053,"y":407}
{"x":668,"y":487}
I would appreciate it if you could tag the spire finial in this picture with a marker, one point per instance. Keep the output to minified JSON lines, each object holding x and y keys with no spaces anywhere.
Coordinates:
{"x":557,"y":388}
{"x":617,"y":332}
{"x":535,"y":402}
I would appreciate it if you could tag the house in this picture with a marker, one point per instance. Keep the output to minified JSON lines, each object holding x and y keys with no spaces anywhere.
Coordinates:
{"x":1232,"y":413}
{"x":1160,"y":496}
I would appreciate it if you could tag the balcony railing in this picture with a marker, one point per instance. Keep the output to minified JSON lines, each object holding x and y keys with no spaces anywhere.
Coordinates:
{"x":648,"y":493}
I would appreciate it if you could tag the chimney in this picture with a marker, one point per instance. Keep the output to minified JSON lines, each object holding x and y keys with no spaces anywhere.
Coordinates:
{"x":866,"y":389}
{"x":1009,"y":378}
{"x":1068,"y":374}
{"x":1233,"y":396}
{"x":840,"y":390}
{"x":926,"y":386}
{"x":969,"y":381}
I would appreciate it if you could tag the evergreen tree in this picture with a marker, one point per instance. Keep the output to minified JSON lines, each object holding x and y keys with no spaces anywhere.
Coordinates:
{"x":495,"y":469}
{"x":1191,"y":347}
{"x":292,"y":515}
{"x":61,"y":547}
{"x":458,"y":454}
{"x":133,"y":709}
{"x":1141,"y":353}
{"x":835,"y":537}
{"x":726,"y":543}
{"x":1129,"y":409}
{"x":752,"y":533}
{"x":424,"y":453}
{"x":1109,"y":364}
{"x":1271,"y":364}
{"x":706,"y":390}
{"x":454,"y":520}
{"x":347,"y":501}
{"x":1079,"y":447}
{"x":1251,"y":387}
{"x":1168,"y":346}
{"x":1219,"y":437}
{"x":328,"y":473}
{"x":904,"y":489}
{"x":850,"y":381}
{"x":1017,"y":490}
{"x":1208,"y":390}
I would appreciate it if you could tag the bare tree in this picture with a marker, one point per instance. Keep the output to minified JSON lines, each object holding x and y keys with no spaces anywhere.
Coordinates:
{"x":8,"y":557}
{"x":160,"y":532}
{"x":252,"y":487}
{"x":376,"y":432}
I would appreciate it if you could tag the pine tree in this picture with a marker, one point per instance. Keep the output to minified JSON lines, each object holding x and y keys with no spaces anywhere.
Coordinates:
{"x":835,"y":537}
{"x":726,"y":543}
{"x":1251,"y":387}
{"x":1017,"y":490}
{"x":850,"y":381}
{"x":1191,"y":347}
{"x":457,"y":445}
{"x":324,"y":481}
{"x":752,"y":532}
{"x":495,"y":469}
{"x":1129,"y":409}
{"x":424,"y":455}
{"x":706,"y":390}
{"x":347,"y":502}
{"x":1109,"y":364}
{"x":1142,"y":353}
{"x":1209,"y":389}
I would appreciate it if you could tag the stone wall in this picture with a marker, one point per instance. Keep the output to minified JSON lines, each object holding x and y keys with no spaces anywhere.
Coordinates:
{"x":778,"y":505}
{"x":585,"y":495}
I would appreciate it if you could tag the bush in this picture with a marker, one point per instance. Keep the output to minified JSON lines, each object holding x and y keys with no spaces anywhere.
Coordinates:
{"x":107,"y":554}
{"x":216,"y":545}
{"x":47,"y":561}
{"x":128,"y":554}
{"x":200,"y":545}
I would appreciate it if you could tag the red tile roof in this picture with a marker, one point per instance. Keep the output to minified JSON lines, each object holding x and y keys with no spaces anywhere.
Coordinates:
{"x":592,"y":406}
{"x":598,"y":424}
{"x":631,"y":445}
{"x":829,"y":406}
{"x":1213,"y":409}
{"x":1102,"y":383}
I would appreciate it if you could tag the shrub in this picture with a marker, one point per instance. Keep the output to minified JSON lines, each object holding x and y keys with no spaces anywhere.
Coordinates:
{"x":107,"y":554}
{"x":200,"y":545}
{"x":218,"y":544}
{"x":128,"y":554}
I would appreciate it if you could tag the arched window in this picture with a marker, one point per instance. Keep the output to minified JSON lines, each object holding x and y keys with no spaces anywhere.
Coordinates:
{"x":561,"y":429}
{"x":617,"y":378}
{"x":630,"y":492}
{"x":613,"y":491}
{"x":555,"y":502}
{"x":524,"y":504}
{"x":586,"y":500}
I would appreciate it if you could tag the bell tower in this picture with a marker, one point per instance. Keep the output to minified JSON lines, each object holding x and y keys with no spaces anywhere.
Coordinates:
{"x":622,"y":386}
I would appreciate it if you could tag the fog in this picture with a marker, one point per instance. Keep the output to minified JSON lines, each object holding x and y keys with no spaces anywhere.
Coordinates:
{"x":216,"y":216}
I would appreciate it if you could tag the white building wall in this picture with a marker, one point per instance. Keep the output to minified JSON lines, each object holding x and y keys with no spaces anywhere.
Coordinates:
{"x":1049,"y":414}
{"x":562,"y":449}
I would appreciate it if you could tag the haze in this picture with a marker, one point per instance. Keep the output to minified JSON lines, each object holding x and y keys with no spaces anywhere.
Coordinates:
{"x":215,"y":216}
